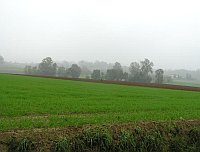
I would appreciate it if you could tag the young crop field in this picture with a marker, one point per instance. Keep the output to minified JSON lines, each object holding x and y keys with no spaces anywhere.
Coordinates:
{"x":45,"y":114}
{"x":30,"y":102}
{"x":195,"y":83}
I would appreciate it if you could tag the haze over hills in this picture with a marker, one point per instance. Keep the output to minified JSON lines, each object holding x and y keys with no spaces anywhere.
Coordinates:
{"x":100,"y":30}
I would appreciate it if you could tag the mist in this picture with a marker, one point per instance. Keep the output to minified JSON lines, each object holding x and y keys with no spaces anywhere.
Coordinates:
{"x":166,"y":32}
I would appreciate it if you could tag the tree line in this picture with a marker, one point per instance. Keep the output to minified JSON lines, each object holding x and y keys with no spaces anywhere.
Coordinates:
{"x":138,"y":72}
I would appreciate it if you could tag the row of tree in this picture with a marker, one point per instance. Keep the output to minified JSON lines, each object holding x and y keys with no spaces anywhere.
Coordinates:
{"x":48,"y":68}
{"x":138,"y":72}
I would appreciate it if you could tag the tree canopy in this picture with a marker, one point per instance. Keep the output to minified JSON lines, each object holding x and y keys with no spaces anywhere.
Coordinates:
{"x":47,"y":67}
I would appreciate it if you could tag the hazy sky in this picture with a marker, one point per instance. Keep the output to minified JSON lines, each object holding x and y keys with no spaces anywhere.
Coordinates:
{"x":165,"y":31}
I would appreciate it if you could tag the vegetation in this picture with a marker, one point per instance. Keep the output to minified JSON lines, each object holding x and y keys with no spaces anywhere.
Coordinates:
{"x":138,"y":72}
{"x":96,"y":74}
{"x":57,"y":103}
{"x":159,"y":76}
{"x":105,"y":139}
{"x":74,"y":71}
{"x":23,"y":145}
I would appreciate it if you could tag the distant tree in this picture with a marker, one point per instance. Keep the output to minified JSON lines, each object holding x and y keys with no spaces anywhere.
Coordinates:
{"x":146,"y":66}
{"x":134,"y":68}
{"x":111,"y":74}
{"x":74,"y":71}
{"x":135,"y":71}
{"x":96,"y":74}
{"x":61,"y":71}
{"x":117,"y":66}
{"x":116,"y":73}
{"x":141,"y":72}
{"x":159,"y":76}
{"x":1,"y":59}
{"x":47,"y":67}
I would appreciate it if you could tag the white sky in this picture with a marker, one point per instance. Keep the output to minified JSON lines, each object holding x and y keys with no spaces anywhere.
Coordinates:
{"x":165,"y":31}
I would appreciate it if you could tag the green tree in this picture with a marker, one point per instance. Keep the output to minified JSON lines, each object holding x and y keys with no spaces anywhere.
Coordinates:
{"x":96,"y":74}
{"x":47,"y":67}
{"x":135,"y":71}
{"x":110,"y":74}
{"x":117,"y":66}
{"x":141,"y":72}
{"x":74,"y":71}
{"x":159,"y":76}
{"x":146,"y":66}
{"x":1,"y":59}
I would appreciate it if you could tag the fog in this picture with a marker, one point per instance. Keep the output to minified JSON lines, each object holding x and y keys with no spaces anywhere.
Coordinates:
{"x":166,"y":32}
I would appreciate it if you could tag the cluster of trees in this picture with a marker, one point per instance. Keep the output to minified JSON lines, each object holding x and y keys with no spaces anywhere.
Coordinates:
{"x":74,"y":71}
{"x":138,"y":72}
{"x":48,"y":68}
{"x":116,"y":73}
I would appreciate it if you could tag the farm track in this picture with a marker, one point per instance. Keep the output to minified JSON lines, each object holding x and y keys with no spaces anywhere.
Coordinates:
{"x":150,"y":85}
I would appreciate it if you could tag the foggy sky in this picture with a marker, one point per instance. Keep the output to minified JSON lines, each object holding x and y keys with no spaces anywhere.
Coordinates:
{"x":165,"y":31}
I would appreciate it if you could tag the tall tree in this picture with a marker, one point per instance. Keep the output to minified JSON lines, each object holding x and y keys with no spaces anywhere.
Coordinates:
{"x":74,"y":71}
{"x":47,"y":67}
{"x":117,"y":66}
{"x":96,"y":74}
{"x":146,"y":66}
{"x":159,"y":76}
{"x":117,"y":71}
{"x":110,"y":74}
{"x":140,"y":72}
{"x":1,"y":59}
{"x":135,"y":72}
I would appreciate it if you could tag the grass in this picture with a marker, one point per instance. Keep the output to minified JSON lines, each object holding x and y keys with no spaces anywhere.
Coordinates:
{"x":106,"y":140}
{"x":193,"y":83}
{"x":29,"y":102}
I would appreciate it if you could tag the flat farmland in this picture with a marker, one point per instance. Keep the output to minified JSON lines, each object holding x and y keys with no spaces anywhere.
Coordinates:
{"x":33,"y":102}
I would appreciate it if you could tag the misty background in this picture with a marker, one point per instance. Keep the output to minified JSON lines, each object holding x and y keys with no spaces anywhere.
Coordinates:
{"x":166,"y":32}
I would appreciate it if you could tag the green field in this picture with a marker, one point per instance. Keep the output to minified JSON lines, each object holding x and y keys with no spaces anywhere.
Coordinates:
{"x":193,"y":83}
{"x":30,"y":102}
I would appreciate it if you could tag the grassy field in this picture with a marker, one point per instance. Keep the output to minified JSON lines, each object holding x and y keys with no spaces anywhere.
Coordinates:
{"x":194,"y":83}
{"x":28,"y":102}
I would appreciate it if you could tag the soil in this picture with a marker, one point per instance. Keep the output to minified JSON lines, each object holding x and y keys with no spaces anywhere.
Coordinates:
{"x":45,"y":137}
